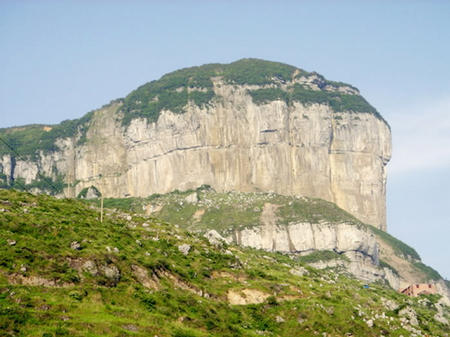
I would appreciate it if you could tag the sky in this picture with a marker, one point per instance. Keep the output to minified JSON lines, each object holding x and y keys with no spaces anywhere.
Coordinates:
{"x":61,"y":59}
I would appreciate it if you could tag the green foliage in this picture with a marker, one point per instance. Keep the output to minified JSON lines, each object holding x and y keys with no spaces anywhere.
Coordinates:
{"x":173,"y":91}
{"x":201,"y":98}
{"x":261,"y":96}
{"x":84,"y":191}
{"x":322,"y":256}
{"x":170,"y":92}
{"x":400,"y":248}
{"x":384,"y":264}
{"x":43,"y":183}
{"x":258,"y":72}
{"x":339,"y":102}
{"x":28,"y":140}
{"x":189,"y":296}
{"x":228,"y":211}
{"x":314,"y":211}
{"x":429,"y":272}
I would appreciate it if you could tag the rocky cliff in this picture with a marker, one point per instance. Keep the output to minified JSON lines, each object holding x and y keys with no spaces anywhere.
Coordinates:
{"x":308,"y":230}
{"x":248,"y":126}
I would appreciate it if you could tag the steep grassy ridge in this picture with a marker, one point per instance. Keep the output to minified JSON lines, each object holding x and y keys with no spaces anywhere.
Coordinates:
{"x":204,"y":209}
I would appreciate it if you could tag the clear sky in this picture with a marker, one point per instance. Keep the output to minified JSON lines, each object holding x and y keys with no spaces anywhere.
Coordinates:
{"x":61,"y":59}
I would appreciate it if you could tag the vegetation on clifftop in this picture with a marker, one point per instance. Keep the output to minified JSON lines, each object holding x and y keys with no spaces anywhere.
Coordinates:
{"x":175,"y":90}
{"x":338,"y":101}
{"x":26,"y":141}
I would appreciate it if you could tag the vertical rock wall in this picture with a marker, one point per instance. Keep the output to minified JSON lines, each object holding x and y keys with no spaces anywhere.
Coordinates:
{"x":233,"y":144}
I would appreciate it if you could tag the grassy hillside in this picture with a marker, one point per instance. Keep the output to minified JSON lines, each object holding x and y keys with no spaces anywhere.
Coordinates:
{"x":230,"y":210}
{"x":64,"y":273}
{"x":203,"y":209}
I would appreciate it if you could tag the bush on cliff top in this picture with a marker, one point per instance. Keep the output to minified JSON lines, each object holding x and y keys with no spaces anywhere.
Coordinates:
{"x":175,"y":90}
{"x":171,"y":92}
{"x":29,"y":139}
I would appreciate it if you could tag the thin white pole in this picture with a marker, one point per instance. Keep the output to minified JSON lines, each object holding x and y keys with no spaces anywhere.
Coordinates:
{"x":101,"y":209}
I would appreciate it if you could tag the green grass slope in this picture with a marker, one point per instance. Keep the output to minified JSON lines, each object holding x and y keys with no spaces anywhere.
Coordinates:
{"x":65,"y":273}
{"x":203,"y":209}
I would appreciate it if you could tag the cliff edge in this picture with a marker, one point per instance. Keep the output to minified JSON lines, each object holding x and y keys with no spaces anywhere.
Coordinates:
{"x":251,"y":125}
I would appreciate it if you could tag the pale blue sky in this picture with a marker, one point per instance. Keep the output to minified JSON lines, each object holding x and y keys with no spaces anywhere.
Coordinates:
{"x":61,"y":59}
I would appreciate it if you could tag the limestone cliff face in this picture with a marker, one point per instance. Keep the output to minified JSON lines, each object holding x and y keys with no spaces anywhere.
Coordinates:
{"x":232,"y":143}
{"x":238,"y":145}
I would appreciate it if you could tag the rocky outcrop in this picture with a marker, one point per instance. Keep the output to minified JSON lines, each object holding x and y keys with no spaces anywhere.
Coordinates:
{"x":232,"y":143}
{"x":356,"y":243}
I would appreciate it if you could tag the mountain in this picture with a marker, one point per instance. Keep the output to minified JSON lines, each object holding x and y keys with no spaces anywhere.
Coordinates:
{"x":63,"y":272}
{"x":242,"y":199}
{"x":248,"y":126}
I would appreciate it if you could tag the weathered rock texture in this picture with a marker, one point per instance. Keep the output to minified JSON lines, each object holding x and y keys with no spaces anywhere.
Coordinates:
{"x":355,"y":242}
{"x":230,"y":144}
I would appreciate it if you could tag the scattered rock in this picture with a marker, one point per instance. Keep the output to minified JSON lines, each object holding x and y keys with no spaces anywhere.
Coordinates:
{"x":329,"y":310}
{"x":215,"y":238}
{"x":111,"y":272}
{"x":279,"y":319}
{"x":299,"y":271}
{"x":198,"y":214}
{"x":409,"y":313}
{"x":440,"y":314}
{"x":116,"y":250}
{"x":23,"y":269}
{"x":90,"y":267}
{"x":145,"y":224}
{"x":75,"y":245}
{"x":389,"y":304}
{"x":11,"y":242}
{"x":142,"y":276}
{"x":130,"y":327}
{"x":246,"y":296}
{"x":369,"y":323}
{"x":184,"y":249}
{"x":192,"y":198}
{"x":32,"y":281}
{"x":44,"y":307}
